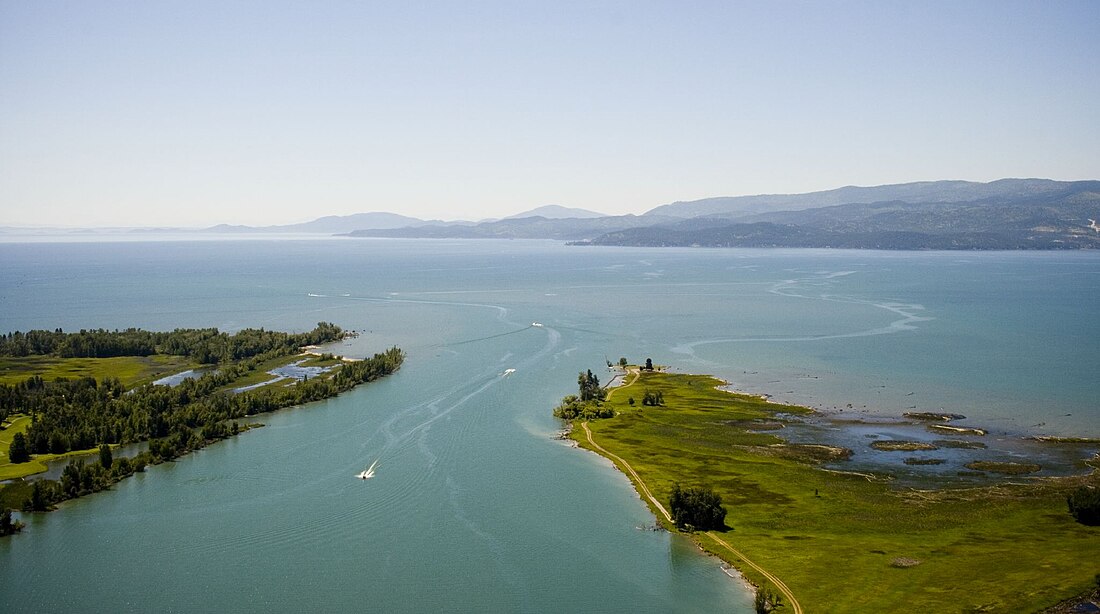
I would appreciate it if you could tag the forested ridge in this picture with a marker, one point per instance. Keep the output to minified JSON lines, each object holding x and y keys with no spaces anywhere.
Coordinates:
{"x":82,"y":413}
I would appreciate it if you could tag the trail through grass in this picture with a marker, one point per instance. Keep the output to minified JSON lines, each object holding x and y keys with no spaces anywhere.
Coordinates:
{"x":842,"y":542}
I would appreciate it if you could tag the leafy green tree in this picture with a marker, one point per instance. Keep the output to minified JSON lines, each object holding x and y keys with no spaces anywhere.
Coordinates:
{"x":653,"y":399}
{"x":648,"y":364}
{"x":589,"y":386}
{"x":622,"y":362}
{"x":18,"y":452}
{"x":1084,"y":504}
{"x":105,"y":457}
{"x":697,"y":508}
{"x":71,"y":479}
{"x":572,"y":408}
{"x":39,"y":499}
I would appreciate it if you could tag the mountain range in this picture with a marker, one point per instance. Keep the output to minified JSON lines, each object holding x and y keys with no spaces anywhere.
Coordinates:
{"x":1005,"y":214}
{"x":380,"y":220}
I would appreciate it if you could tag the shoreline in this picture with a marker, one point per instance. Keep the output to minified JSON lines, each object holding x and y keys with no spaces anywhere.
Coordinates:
{"x":827,"y":392}
{"x":942,"y":496}
{"x":834,"y":428}
{"x":43,"y":494}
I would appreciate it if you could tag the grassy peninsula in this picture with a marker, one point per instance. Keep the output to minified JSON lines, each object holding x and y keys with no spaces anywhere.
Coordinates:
{"x":837,"y":541}
{"x":76,"y":394}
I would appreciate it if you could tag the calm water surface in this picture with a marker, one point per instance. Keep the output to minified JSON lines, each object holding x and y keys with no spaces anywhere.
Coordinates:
{"x":476,"y":507}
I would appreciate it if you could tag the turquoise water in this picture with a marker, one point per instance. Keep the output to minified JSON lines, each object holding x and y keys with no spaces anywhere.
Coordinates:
{"x":475,"y":506}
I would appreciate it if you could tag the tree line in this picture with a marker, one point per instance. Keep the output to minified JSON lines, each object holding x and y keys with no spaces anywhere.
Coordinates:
{"x":246,"y":349}
{"x":204,"y":345}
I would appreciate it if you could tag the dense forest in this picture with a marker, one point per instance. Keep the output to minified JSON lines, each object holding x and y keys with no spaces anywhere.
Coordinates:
{"x":203,"y":345}
{"x":80,"y":414}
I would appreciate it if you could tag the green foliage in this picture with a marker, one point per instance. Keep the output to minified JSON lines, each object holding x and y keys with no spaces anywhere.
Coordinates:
{"x":623,"y":362}
{"x":1084,"y":505}
{"x":43,"y":494}
{"x":82,"y":413}
{"x":105,"y":457}
{"x":648,"y":364}
{"x":766,"y":601}
{"x":589,"y":386}
{"x":18,"y":452}
{"x":588,"y":404}
{"x":653,"y":399}
{"x":7,"y":526}
{"x":205,"y":345}
{"x":573,"y":408}
{"x":697,"y":508}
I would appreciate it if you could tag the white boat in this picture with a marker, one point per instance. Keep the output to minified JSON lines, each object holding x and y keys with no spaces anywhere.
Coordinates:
{"x":536,"y":324}
{"x":507,"y":372}
{"x":368,"y":473}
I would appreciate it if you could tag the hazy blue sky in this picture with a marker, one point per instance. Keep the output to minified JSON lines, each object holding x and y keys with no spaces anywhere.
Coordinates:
{"x":195,"y":113}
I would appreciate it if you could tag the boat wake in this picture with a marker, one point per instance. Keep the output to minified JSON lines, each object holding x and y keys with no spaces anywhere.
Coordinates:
{"x":367,"y":473}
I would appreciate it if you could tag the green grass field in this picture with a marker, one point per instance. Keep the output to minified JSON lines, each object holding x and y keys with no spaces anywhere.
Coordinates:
{"x":1007,"y":548}
{"x":130,"y":370}
{"x":15,"y":424}
{"x":18,"y":424}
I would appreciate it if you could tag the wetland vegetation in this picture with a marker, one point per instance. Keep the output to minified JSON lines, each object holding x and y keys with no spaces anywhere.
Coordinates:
{"x":845,"y":541}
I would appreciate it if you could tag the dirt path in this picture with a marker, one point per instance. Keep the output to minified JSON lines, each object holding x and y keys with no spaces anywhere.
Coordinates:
{"x":637,"y":478}
{"x":795,"y":607}
{"x":635,"y":371}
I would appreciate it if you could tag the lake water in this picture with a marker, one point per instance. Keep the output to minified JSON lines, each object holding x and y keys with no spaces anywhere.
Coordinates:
{"x":475,"y":506}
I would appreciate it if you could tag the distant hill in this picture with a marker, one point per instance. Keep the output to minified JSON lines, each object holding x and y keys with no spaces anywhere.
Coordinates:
{"x":537,"y":227}
{"x":919,"y":192}
{"x":331,"y":224}
{"x":1039,"y":214}
{"x":557,"y":212}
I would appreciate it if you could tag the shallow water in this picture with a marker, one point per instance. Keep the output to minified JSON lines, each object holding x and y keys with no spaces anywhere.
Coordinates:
{"x":176,"y":379}
{"x":475,"y":505}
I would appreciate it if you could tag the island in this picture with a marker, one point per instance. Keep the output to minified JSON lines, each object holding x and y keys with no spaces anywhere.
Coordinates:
{"x":821,"y":539}
{"x":85,"y":394}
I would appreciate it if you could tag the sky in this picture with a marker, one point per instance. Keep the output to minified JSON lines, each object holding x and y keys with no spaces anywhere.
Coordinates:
{"x":194,"y":113}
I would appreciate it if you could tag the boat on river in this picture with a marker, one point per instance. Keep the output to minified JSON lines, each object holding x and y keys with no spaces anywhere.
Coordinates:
{"x":367,"y":473}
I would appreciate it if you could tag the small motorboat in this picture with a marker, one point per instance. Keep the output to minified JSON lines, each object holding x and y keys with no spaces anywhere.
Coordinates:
{"x":367,"y":473}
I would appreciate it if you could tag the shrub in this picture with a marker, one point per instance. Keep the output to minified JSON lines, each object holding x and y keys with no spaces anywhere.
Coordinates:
{"x":1084,"y":504}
